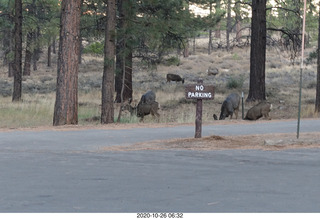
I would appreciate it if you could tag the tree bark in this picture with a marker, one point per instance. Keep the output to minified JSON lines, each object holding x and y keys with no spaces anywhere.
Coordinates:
{"x":17,"y":67}
{"x":8,"y":60}
{"x":238,"y":30}
{"x":37,"y":50}
{"x":228,"y":24}
{"x":127,"y":89}
{"x":107,"y":108}
{"x":218,"y":32}
{"x":28,"y":56}
{"x":186,"y":46}
{"x":238,"y":22}
{"x":258,"y":51}
{"x":49,"y":51}
{"x":10,"y":69}
{"x":317,"y":105}
{"x":66,"y":105}
{"x":49,"y":56}
{"x":124,"y":55}
{"x":54,"y":46}
{"x":210,"y":32}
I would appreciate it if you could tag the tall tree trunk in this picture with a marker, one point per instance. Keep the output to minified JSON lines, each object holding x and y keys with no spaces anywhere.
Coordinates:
{"x":30,"y":41}
{"x":317,"y":106}
{"x":81,"y":49}
{"x":107,"y":108}
{"x":238,"y":30}
{"x":228,"y":24}
{"x":218,"y":32}
{"x":54,"y":46}
{"x":194,"y":46}
{"x":80,"y":39}
{"x":258,"y":51}
{"x":124,"y":55}
{"x":10,"y":69}
{"x":238,"y":22}
{"x":49,"y":56}
{"x":66,"y":105}
{"x":127,"y":91}
{"x":17,"y":68}
{"x":37,"y":51}
{"x":28,"y":56}
{"x":210,"y":32}
{"x":127,"y":87}
{"x":186,"y":46}
{"x":8,"y":60}
{"x":210,"y":42}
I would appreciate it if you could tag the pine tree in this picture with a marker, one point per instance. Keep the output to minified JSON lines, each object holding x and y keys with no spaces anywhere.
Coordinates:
{"x":317,"y":105}
{"x":66,"y":105}
{"x":258,"y":51}
{"x":107,"y":110}
{"x":17,"y":67}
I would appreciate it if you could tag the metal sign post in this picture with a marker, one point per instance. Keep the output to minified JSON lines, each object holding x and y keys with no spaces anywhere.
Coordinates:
{"x":301,"y":66}
{"x":242,"y":104}
{"x":199,"y":92}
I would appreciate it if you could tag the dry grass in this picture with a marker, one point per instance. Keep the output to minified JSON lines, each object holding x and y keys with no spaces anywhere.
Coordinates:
{"x":282,"y":82}
{"x":35,"y":110}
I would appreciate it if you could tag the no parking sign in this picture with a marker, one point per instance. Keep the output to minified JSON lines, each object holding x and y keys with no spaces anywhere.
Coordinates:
{"x":199,"y":92}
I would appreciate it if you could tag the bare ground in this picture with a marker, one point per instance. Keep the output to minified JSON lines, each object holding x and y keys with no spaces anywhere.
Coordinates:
{"x":214,"y":142}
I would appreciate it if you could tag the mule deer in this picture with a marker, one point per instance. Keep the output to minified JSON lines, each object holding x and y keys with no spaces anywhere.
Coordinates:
{"x":261,"y":109}
{"x":229,"y":106}
{"x":174,"y":77}
{"x":143,"y":109}
{"x":150,"y":96}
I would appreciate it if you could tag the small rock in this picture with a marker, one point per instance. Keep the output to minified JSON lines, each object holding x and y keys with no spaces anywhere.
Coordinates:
{"x":274,"y":142}
{"x":212,"y":71}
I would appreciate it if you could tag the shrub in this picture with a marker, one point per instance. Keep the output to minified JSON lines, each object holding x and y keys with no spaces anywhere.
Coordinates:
{"x":236,"y":57}
{"x":173,"y":60}
{"x":312,"y":56}
{"x":235,"y":82}
{"x":94,"y":48}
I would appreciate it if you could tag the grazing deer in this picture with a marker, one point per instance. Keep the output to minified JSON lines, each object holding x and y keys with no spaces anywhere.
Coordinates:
{"x":150,"y":96}
{"x":143,"y":109}
{"x":174,"y":77}
{"x":229,"y":106}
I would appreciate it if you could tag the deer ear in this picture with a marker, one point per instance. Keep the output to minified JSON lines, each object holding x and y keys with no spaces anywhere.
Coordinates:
{"x":130,"y":100}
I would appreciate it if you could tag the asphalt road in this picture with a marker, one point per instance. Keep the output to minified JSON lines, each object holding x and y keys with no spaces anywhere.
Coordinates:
{"x":65,"y":171}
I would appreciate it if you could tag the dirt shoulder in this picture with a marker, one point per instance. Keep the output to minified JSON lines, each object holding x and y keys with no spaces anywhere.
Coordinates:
{"x":118,"y":126}
{"x":257,"y":142}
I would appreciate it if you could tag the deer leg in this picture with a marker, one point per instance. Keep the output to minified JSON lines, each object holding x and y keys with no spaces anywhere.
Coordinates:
{"x":236,"y":112}
{"x":158,"y":116}
{"x":267,"y":116}
{"x":155,"y":113}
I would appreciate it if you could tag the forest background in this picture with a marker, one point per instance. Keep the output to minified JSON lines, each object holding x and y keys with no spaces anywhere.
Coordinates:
{"x":120,"y":49}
